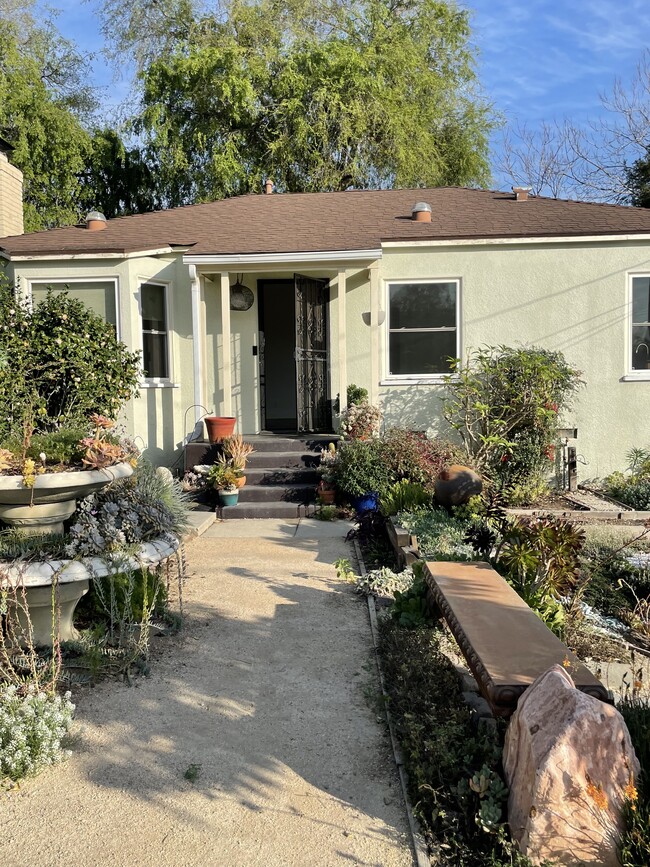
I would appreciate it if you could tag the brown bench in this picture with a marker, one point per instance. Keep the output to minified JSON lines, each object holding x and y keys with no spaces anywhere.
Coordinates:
{"x":505,"y":643}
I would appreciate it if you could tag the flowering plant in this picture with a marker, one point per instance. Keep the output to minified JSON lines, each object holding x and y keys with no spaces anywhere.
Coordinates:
{"x":360,"y":421}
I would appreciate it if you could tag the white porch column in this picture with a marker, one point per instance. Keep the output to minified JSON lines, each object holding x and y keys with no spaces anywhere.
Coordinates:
{"x":374,"y":333}
{"x":343,"y":355}
{"x":197,"y":343}
{"x":226,"y":355}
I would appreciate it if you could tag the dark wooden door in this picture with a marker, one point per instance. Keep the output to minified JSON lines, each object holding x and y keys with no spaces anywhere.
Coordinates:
{"x":312,"y":363}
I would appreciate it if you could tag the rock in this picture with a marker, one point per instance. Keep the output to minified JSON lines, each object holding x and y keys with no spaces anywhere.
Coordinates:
{"x":165,"y":474}
{"x":456,"y":485}
{"x":567,"y":759}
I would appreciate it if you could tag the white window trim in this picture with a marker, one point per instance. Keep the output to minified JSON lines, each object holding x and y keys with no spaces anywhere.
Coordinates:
{"x":69,"y":281}
{"x":632,"y":375}
{"x":419,"y":378}
{"x":157,"y":381}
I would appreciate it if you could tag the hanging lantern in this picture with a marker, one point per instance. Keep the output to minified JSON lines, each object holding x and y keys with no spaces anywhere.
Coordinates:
{"x":241,"y":297}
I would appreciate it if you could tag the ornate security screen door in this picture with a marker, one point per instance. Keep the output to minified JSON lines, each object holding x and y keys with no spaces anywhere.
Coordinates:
{"x":314,"y":412}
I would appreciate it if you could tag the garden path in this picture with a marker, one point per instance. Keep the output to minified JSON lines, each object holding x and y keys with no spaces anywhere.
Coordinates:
{"x":262,"y":695}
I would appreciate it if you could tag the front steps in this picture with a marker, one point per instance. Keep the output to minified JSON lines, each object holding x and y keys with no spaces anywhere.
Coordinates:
{"x":281,"y":475}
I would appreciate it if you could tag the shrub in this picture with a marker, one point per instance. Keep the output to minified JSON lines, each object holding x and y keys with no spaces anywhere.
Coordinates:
{"x":360,"y":421}
{"x":404,"y":496}
{"x":60,"y":363}
{"x":360,"y":467}
{"x":32,"y":725}
{"x":356,"y":394}
{"x":504,"y":403}
{"x":383,"y":582}
{"x":633,"y":491}
{"x":412,"y":455}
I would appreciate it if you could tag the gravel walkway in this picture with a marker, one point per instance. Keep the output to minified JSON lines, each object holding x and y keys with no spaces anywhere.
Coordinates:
{"x":263,"y":695}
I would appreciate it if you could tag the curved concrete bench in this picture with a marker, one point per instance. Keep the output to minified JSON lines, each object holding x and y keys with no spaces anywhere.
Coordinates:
{"x":73,"y":577}
{"x":505,"y":643}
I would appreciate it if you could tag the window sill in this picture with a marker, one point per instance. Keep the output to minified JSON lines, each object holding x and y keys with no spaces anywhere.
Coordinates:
{"x":153,"y":383}
{"x":438,"y":379}
{"x":637,"y":376}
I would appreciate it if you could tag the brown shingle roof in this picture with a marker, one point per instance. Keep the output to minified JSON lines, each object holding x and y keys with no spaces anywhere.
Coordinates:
{"x":354,"y":220}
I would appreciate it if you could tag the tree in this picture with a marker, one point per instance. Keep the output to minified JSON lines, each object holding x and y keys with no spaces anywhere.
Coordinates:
{"x":317,"y":96}
{"x":117,"y":180}
{"x":638,"y":181}
{"x":601,"y":161}
{"x":42,"y":101}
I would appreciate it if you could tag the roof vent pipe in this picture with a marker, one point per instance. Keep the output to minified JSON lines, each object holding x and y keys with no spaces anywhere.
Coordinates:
{"x":521,"y":193}
{"x":421,"y":212}
{"x":95,"y":221}
{"x":268,"y":187}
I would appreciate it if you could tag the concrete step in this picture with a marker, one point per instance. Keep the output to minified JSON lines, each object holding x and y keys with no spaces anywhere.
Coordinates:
{"x":267,"y":460}
{"x":272,"y":443}
{"x":297,"y":493}
{"x":281,"y":476}
{"x":266,"y":510}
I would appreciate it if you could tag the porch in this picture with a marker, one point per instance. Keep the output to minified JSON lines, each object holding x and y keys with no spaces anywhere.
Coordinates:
{"x":276,"y":345}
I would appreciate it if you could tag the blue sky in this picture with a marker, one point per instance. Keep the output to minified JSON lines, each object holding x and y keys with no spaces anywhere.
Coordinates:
{"x":537,"y":59}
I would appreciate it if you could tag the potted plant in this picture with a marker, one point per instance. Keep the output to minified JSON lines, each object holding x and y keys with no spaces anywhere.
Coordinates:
{"x":235,"y":451}
{"x":219,"y":427}
{"x":327,"y":486}
{"x":222,"y":477}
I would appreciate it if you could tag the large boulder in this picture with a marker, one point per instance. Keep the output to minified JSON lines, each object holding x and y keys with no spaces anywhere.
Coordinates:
{"x":568,"y":759}
{"x":455,"y":485}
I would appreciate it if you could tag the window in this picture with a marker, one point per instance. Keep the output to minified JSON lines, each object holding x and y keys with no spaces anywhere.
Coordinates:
{"x":641,"y":323}
{"x":422,"y":328}
{"x":155,"y":357}
{"x":98,"y":295}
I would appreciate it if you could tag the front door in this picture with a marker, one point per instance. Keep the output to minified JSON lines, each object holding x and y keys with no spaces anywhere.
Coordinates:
{"x":293,"y":360}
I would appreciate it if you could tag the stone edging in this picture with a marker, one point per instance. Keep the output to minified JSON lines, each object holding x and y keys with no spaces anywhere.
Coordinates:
{"x":39,"y":574}
{"x":419,"y":846}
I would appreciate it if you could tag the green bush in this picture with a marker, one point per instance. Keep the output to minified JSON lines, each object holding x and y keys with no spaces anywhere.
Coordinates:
{"x":32,"y":726}
{"x":504,"y":404}
{"x":404,"y":496}
{"x":413,"y":456}
{"x":360,"y":468}
{"x":60,"y":363}
{"x":632,"y":491}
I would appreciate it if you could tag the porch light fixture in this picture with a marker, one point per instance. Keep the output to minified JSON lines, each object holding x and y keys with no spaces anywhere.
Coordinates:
{"x":367,"y":317}
{"x":241,"y":297}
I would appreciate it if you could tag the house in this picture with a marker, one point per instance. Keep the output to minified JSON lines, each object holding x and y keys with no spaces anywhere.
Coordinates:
{"x":267,"y":306}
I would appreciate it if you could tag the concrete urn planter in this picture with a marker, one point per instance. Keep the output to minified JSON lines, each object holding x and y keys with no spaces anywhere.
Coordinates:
{"x":53,"y":499}
{"x":33,"y":585}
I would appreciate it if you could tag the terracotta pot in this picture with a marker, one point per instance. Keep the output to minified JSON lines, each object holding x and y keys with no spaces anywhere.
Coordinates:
{"x":326,"y":493}
{"x":219,"y":427}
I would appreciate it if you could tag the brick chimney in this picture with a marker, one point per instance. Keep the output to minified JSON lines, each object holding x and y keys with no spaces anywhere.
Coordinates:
{"x":11,"y":194}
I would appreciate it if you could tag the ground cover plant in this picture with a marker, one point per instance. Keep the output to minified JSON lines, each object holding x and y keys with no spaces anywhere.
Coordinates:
{"x":635,"y":845}
{"x":454,"y":770}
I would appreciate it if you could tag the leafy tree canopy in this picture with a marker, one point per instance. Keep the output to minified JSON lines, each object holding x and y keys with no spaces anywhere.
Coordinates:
{"x":317,"y":96}
{"x":42,"y":103}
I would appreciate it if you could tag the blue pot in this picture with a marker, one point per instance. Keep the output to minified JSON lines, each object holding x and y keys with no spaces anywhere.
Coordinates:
{"x":228,"y":499}
{"x":368,"y":502}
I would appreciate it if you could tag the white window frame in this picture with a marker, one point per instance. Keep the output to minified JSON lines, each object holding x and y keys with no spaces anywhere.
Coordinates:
{"x":70,"y":281}
{"x":411,"y":378}
{"x":156,"y":381}
{"x":631,"y":374}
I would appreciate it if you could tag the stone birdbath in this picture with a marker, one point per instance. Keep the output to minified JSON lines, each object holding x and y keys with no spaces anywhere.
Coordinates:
{"x":42,"y":509}
{"x":73,"y":576}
